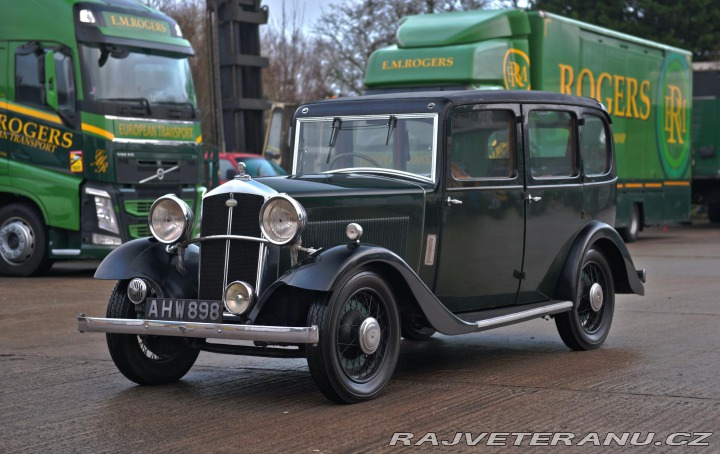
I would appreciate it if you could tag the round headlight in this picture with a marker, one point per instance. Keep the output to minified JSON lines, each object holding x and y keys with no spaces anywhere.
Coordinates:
{"x":170,"y":219}
{"x":282,"y":219}
{"x":238,"y":297}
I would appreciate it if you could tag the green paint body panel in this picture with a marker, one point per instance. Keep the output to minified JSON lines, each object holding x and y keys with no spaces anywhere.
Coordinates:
{"x":646,"y":87}
{"x":133,"y":150}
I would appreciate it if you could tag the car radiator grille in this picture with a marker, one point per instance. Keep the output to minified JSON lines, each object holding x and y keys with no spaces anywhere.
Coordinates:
{"x":241,"y":263}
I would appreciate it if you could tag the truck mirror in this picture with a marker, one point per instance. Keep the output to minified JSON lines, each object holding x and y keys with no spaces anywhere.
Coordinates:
{"x":51,"y":89}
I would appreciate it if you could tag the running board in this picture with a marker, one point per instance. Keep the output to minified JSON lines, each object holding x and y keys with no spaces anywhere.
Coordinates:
{"x":495,"y":318}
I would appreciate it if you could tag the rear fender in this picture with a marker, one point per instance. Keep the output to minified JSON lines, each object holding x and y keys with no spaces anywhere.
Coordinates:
{"x":605,"y":238}
{"x":148,"y":259}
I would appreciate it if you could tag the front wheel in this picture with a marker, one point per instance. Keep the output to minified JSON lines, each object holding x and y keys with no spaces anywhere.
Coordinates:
{"x":588,"y":324}
{"x":146,"y":360}
{"x":631,"y":233}
{"x":23,"y":242}
{"x":359,"y":339}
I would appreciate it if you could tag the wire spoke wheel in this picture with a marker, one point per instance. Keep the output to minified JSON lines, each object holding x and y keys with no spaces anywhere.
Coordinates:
{"x":359,"y":339}
{"x":588,"y":324}
{"x":146,"y":360}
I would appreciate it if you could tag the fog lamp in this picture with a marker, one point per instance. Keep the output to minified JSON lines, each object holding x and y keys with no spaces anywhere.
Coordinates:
{"x":238,"y":297}
{"x":137,"y":290}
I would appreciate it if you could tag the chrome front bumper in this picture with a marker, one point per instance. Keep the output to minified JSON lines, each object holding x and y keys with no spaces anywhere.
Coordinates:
{"x":279,"y":334}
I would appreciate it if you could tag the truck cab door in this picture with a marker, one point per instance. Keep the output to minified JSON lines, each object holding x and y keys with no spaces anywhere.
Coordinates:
{"x":41,"y":135}
{"x":553,"y":196}
{"x":481,"y":244}
{"x":4,"y":67}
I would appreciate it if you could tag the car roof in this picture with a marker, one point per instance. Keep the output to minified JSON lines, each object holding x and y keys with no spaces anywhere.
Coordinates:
{"x":444,"y":98}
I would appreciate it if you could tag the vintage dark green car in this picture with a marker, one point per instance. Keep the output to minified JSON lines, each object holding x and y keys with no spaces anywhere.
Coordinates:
{"x":405,"y":215}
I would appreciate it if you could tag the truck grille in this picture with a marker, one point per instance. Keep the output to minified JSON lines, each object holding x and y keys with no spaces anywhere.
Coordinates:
{"x":241,"y":263}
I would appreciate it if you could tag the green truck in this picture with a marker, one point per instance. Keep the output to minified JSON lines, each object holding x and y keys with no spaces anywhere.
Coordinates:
{"x":98,"y":118}
{"x":646,"y":87}
{"x":706,"y":137}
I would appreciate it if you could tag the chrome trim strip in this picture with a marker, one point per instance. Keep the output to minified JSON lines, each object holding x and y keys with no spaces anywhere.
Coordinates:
{"x":67,"y":252}
{"x":151,"y":120}
{"x":223,"y":237}
{"x":261,"y":333}
{"x":562,"y":306}
{"x":227,"y":243}
{"x":155,"y":141}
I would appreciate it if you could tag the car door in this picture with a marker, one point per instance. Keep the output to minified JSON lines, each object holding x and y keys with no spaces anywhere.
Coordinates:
{"x":553,"y":197}
{"x":481,"y":240}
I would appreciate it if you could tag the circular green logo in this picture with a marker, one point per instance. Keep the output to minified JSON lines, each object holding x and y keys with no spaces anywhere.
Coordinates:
{"x":673,"y":116}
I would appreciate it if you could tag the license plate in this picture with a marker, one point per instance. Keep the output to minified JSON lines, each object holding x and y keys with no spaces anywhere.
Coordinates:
{"x":184,"y":310}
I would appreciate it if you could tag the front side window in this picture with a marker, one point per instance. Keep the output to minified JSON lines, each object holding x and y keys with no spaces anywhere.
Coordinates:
{"x":115,"y":73}
{"x":28,"y":82}
{"x":401,"y":144}
{"x":552,"y":144}
{"x":482,"y":145}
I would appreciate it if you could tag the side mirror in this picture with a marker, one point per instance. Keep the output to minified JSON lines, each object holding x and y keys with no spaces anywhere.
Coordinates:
{"x":51,"y":89}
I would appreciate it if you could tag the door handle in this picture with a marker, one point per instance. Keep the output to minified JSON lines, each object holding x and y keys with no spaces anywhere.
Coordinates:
{"x":532,"y":199}
{"x":451,"y":201}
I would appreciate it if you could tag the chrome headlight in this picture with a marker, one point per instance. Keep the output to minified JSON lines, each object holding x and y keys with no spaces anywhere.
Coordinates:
{"x":282,"y":219}
{"x":170,"y":219}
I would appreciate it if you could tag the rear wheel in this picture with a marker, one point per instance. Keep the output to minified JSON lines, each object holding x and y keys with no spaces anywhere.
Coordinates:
{"x":359,"y":339}
{"x":146,"y":360}
{"x":714,"y":212}
{"x":632,"y":232}
{"x":23,"y":242}
{"x":588,"y":324}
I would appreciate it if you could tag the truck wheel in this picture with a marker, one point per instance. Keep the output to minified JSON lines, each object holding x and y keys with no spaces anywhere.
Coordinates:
{"x":587,"y":325}
{"x":414,"y":331}
{"x":146,"y":360}
{"x":359,"y":339}
{"x":631,"y":232}
{"x":714,"y":212}
{"x":23,"y":242}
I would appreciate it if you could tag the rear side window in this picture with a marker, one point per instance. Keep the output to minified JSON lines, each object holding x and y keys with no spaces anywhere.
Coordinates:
{"x":482,"y":145}
{"x":594,"y":147}
{"x":552,"y":144}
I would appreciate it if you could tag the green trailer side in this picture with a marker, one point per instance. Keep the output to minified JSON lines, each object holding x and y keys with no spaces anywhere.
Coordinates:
{"x":646,"y":87}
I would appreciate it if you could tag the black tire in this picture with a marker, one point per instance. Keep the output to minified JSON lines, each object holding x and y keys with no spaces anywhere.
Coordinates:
{"x":413,"y":331}
{"x":23,"y":242}
{"x":631,"y":233}
{"x":146,"y":360}
{"x":342,"y":368}
{"x":586,"y":327}
{"x":713,"y":211}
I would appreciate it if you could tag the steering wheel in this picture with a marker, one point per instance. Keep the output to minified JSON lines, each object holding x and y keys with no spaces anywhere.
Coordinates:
{"x":359,"y":155}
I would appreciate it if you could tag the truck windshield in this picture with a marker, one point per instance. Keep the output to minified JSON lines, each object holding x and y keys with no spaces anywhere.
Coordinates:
{"x":117,"y":74}
{"x":398,"y":144}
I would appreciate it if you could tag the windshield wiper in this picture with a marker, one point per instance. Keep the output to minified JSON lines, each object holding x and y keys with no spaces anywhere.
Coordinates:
{"x":392,"y":123}
{"x":336,"y":125}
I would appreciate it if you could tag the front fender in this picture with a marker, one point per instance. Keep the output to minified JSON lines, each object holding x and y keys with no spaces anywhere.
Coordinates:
{"x":147,"y":258}
{"x":606,"y":238}
{"x":325,"y":269}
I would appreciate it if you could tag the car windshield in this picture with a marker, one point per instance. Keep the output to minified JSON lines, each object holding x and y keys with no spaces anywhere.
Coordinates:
{"x":398,"y":144}
{"x":117,"y":74}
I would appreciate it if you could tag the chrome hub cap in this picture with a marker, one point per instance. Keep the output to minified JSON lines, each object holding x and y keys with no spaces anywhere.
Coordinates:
{"x":596,"y":297}
{"x":16,"y":242}
{"x":369,"y":335}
